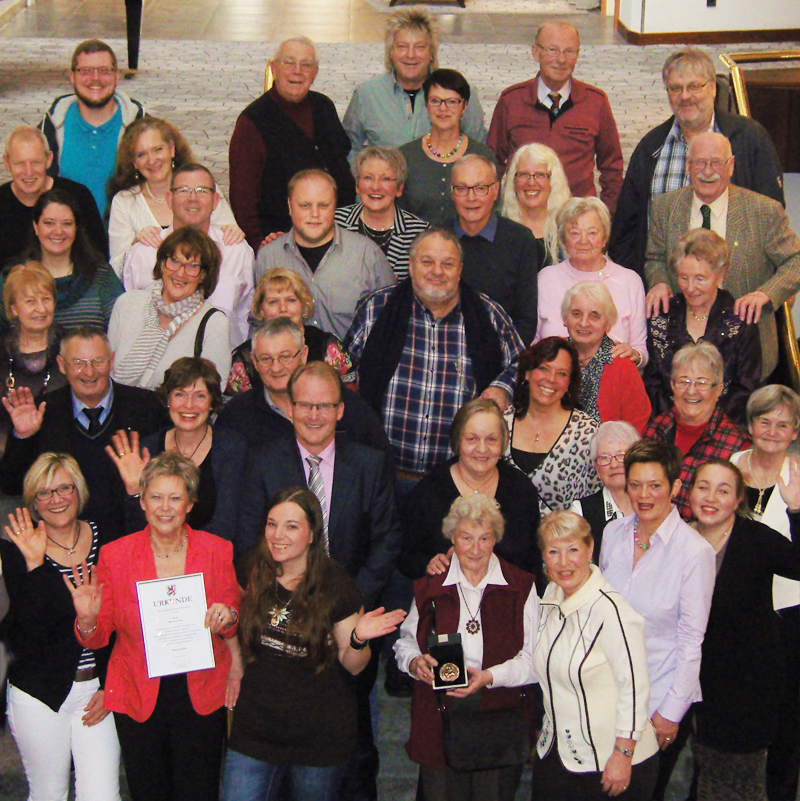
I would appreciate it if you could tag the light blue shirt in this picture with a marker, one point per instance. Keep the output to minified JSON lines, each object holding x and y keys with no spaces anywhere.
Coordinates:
{"x":78,"y":407}
{"x":89,"y":153}
{"x":380,"y":114}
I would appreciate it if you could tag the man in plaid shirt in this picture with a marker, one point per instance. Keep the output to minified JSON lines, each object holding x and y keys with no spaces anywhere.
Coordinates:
{"x":425,"y":347}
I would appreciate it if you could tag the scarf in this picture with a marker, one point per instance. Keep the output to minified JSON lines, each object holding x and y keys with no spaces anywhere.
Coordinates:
{"x":590,"y":378}
{"x":384,"y":347}
{"x":149,"y":347}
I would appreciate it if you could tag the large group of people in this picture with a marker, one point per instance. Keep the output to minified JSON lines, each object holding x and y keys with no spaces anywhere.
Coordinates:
{"x":420,"y":393}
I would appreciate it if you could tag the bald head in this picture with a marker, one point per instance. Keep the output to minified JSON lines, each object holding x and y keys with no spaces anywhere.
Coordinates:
{"x":710,"y":164}
{"x":556,"y":49}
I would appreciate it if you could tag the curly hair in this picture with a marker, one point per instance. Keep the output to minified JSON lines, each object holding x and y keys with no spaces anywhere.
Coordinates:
{"x":546,"y":350}
{"x":311,"y":622}
{"x":125,"y":174}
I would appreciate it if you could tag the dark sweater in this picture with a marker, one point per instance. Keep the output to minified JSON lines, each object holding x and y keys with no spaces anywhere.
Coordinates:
{"x":506,"y":270}
{"x":16,"y":220}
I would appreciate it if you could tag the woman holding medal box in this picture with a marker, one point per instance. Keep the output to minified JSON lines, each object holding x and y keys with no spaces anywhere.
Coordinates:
{"x":494,"y":608}
{"x":171,"y":729}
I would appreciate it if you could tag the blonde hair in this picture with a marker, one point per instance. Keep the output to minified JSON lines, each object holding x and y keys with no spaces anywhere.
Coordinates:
{"x":563,"y":525}
{"x":413,"y":18}
{"x":282,"y":279}
{"x":42,"y":471}
{"x":32,"y":276}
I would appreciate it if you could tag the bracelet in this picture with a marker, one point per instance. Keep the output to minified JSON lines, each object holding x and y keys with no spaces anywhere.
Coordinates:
{"x":355,"y":643}
{"x":625,"y":751}
{"x":234,"y":616}
{"x":85,"y":633}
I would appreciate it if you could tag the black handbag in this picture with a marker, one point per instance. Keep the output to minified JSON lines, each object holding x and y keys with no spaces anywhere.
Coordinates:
{"x":481,"y":740}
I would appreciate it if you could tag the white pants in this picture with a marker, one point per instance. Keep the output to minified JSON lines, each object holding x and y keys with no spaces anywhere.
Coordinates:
{"x":46,"y":740}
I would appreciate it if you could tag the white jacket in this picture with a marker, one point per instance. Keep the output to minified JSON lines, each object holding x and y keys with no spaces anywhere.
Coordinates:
{"x":592,"y":667}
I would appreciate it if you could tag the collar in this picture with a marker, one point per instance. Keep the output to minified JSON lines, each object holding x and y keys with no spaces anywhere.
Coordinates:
{"x":676,"y":134}
{"x":494,"y":575}
{"x":667,"y":528}
{"x":271,"y":403}
{"x":456,"y":310}
{"x":397,"y":86}
{"x":719,"y":208}
{"x":291,"y":242}
{"x":109,"y":126}
{"x":554,"y":595}
{"x":488,"y":232}
{"x":78,"y":406}
{"x":543,"y":91}
{"x":325,"y":455}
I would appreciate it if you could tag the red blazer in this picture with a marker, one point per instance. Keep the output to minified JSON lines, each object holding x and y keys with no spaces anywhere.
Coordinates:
{"x":622,"y":396}
{"x":124,"y":562}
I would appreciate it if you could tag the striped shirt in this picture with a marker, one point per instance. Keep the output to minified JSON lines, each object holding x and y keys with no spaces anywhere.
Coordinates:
{"x":434,"y":377}
{"x":87,"y":654}
{"x":405,"y":229}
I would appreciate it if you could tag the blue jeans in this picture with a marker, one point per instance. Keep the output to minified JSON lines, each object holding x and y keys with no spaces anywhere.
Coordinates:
{"x":248,"y":779}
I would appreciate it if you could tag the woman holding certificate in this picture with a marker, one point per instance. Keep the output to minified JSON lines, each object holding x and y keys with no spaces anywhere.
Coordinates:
{"x":303,"y":625}
{"x":168,"y":701}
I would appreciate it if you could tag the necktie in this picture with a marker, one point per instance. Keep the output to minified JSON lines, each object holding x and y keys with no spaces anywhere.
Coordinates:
{"x":318,"y":488}
{"x":705,"y":210}
{"x":94,"y":419}
{"x":555,"y":97}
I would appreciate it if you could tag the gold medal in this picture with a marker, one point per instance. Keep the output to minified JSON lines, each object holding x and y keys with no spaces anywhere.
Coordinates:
{"x":449,"y":672}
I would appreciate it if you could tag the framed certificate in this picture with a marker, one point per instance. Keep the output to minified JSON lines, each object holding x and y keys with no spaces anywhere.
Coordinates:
{"x":172,"y":611}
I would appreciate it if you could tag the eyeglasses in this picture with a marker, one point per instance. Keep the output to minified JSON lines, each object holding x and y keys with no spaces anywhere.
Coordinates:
{"x":191,"y":268}
{"x":306,"y":407}
{"x":63,"y":491}
{"x":481,"y":190}
{"x":691,"y":88}
{"x":284,"y":358}
{"x":539,"y":177}
{"x":604,"y":461}
{"x":375,"y":179}
{"x":88,"y":71}
{"x":186,"y":191}
{"x":716,"y":164}
{"x":289,"y":64}
{"x":555,"y":52}
{"x":81,"y":364}
{"x":702,"y":384}
{"x":450,"y":102}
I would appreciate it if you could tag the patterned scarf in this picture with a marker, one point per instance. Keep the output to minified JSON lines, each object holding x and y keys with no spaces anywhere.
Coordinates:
{"x":590,"y":378}
{"x":151,"y":343}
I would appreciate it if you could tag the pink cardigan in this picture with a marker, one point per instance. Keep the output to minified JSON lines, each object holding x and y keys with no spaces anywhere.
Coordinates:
{"x":124,"y":562}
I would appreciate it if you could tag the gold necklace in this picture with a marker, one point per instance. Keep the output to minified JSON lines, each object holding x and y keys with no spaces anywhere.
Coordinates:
{"x":150,"y":192}
{"x":758,"y":509}
{"x":471,"y":486}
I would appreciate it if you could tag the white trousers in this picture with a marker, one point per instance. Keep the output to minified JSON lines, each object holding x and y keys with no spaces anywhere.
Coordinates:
{"x":48,"y":741}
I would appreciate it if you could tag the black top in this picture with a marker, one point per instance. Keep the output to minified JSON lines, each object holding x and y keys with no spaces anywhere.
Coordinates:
{"x":430,"y":501}
{"x":40,"y":628}
{"x":741,"y":673}
{"x":288,"y":711}
{"x":16,"y":220}
{"x":506,"y":271}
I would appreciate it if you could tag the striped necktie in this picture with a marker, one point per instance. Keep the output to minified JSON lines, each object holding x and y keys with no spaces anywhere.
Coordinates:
{"x":318,"y":488}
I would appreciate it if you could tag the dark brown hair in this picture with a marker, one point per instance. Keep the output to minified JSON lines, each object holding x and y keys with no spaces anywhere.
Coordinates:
{"x":546,"y":350}
{"x":194,"y":243}
{"x":740,"y":487}
{"x":184,"y":372}
{"x":654,"y":451}
{"x":311,"y":623}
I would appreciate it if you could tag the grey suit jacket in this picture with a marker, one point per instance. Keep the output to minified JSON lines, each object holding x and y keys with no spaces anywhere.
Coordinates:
{"x":765,"y":252}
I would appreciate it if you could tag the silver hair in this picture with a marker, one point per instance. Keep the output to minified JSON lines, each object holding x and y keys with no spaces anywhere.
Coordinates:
{"x":596,"y":291}
{"x":300,"y":40}
{"x":277,"y":326}
{"x":701,"y":353}
{"x":475,"y":158}
{"x":391,"y":155}
{"x":771,"y":397}
{"x":26,"y":132}
{"x":474,"y":508}
{"x":689,"y":59}
{"x":617,"y":430}
{"x":577,"y":206}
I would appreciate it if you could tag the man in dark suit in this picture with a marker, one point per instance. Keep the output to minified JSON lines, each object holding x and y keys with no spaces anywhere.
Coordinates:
{"x":262,"y":414}
{"x":79,"y":420}
{"x":764,"y":269}
{"x":355,"y":486}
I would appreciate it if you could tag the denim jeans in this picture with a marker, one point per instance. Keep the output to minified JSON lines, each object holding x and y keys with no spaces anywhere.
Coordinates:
{"x":248,"y":779}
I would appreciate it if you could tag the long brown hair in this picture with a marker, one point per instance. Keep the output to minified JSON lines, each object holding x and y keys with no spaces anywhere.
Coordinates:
{"x":311,"y":623}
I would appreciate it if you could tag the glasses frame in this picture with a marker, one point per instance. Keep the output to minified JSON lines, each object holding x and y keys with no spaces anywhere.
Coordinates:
{"x":62,"y":490}
{"x":479,"y":190}
{"x":283,"y":359}
{"x":191,"y":268}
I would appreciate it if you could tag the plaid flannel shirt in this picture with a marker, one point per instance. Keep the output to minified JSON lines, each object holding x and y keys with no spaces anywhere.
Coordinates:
{"x":721,"y":439}
{"x":434,"y":377}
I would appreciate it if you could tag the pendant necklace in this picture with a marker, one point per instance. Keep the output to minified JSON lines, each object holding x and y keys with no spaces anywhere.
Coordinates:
{"x":700,"y":319}
{"x":758,"y":509}
{"x":280,"y":615}
{"x":473,"y":626}
{"x":480,"y":486}
{"x":178,"y":447}
{"x":74,"y":547}
{"x":636,"y":536}
{"x":444,"y":155}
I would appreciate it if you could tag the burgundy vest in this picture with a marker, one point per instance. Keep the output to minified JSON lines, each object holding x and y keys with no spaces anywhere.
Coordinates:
{"x":502,"y":615}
